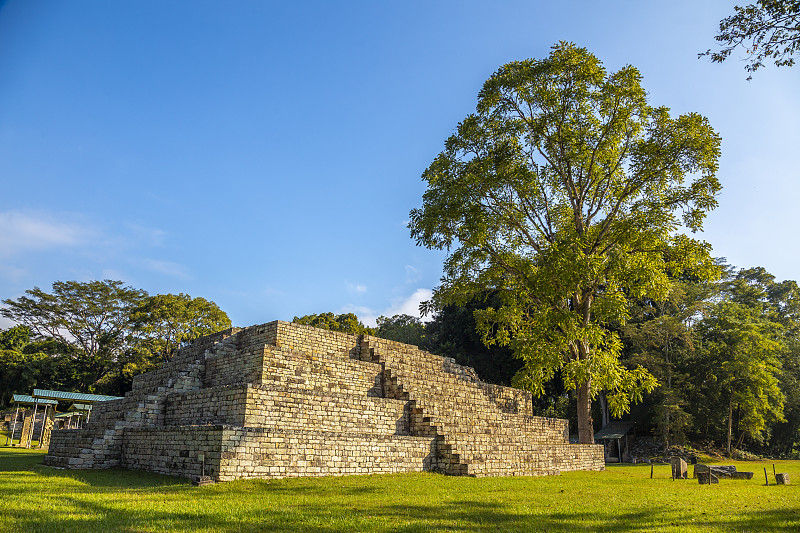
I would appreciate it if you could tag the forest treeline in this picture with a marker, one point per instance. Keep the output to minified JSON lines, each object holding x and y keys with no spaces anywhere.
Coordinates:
{"x":726,"y":353}
{"x":94,"y":337}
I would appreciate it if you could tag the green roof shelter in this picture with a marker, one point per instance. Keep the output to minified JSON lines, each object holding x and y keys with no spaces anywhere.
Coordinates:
{"x":29,"y":419}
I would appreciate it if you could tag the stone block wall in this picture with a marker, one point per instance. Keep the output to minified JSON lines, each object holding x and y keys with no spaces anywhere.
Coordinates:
{"x":283,"y":399}
{"x":174,"y":450}
{"x":321,"y":372}
{"x":274,"y":407}
{"x":216,"y":405}
{"x":309,"y":339}
{"x":269,"y":453}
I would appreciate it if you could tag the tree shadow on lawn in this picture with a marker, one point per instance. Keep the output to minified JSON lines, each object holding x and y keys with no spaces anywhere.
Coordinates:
{"x":132,"y":500}
{"x":227,"y":512}
{"x":22,"y":473}
{"x":456,"y":516}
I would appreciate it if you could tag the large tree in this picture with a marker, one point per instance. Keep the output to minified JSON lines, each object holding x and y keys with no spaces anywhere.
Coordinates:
{"x":566,"y":193}
{"x":402,"y":328}
{"x":768,"y":30}
{"x":102,"y":333}
{"x":165,"y":322}
{"x":345,"y":322}
{"x":94,"y":316}
{"x":745,"y":351}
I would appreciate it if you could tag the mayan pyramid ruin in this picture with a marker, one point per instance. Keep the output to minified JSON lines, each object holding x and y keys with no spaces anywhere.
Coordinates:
{"x":283,"y":399}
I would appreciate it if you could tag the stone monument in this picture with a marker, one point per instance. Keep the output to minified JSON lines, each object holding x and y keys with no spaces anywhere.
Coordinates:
{"x":283,"y":399}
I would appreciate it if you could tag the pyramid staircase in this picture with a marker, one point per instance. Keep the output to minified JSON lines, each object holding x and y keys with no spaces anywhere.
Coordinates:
{"x":283,"y":399}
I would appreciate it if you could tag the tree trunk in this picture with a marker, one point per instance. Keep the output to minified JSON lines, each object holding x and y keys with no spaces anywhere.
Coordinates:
{"x":585,"y":426}
{"x":730,"y":423}
{"x":604,"y":409}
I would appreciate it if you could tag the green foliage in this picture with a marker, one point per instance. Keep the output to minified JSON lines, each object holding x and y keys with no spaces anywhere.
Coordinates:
{"x":96,"y":336}
{"x":454,"y":333}
{"x":565,"y":193}
{"x":742,"y":346}
{"x":402,"y":328}
{"x":94,"y":316}
{"x":15,"y":338}
{"x":658,"y":336}
{"x":165,"y":322}
{"x":768,"y":30}
{"x":18,"y":372}
{"x":346,"y":323}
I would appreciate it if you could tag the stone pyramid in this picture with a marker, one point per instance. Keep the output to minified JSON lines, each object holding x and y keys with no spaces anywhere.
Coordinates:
{"x":283,"y":399}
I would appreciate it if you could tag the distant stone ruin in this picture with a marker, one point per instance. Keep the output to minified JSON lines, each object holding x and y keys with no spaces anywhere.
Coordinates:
{"x":283,"y":399}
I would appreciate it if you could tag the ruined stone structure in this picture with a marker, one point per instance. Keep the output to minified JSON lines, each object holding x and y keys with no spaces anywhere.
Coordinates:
{"x":284,"y":399}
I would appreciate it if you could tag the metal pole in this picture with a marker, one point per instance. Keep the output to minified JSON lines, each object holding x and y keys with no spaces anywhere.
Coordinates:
{"x":14,"y":427}
{"x":44,"y":422}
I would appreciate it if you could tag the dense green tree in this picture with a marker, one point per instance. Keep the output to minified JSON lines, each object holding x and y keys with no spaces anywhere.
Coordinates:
{"x":659,"y":339}
{"x":94,"y":316}
{"x":778,"y":303}
{"x":402,"y":328}
{"x":564,"y":194}
{"x":165,"y":322}
{"x":744,"y":351}
{"x":15,"y":338}
{"x":454,"y":333}
{"x":346,"y":323}
{"x":26,"y":364}
{"x":768,"y":30}
{"x":95,"y":336}
{"x":18,"y":370}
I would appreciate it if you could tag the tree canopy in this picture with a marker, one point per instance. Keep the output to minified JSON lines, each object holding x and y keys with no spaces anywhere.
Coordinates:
{"x":96,"y":335}
{"x":167,"y":321}
{"x":565,"y":193}
{"x":402,"y":328}
{"x":345,"y":322}
{"x":768,"y":30}
{"x":93,"y":315}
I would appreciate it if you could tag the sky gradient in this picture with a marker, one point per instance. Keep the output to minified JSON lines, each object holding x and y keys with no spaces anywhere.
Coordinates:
{"x":266,"y":155}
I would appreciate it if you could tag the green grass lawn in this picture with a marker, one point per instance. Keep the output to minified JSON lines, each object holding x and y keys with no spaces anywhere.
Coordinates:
{"x":623,"y":498}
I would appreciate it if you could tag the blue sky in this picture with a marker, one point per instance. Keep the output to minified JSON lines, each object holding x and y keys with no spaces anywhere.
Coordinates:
{"x":265,"y":155}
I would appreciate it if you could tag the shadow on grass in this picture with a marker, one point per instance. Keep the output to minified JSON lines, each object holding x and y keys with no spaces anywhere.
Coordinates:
{"x":43,"y":499}
{"x":14,"y":463}
{"x":455,"y":516}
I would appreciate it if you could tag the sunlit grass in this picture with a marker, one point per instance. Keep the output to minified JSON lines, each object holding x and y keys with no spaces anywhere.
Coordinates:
{"x":623,"y":498}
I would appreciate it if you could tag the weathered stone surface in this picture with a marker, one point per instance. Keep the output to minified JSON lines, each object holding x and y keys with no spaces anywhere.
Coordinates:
{"x":282,"y":399}
{"x":706,"y":478}
{"x":782,"y":479}
{"x":679,"y":469}
{"x":724,"y":471}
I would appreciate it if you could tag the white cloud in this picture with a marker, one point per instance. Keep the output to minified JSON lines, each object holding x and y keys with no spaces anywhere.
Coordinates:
{"x":29,"y":230}
{"x":412,"y":274}
{"x":399,"y":306}
{"x":147,"y":235}
{"x":356,"y":287}
{"x":410,"y":305}
{"x":6,"y":323}
{"x":169,"y":268}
